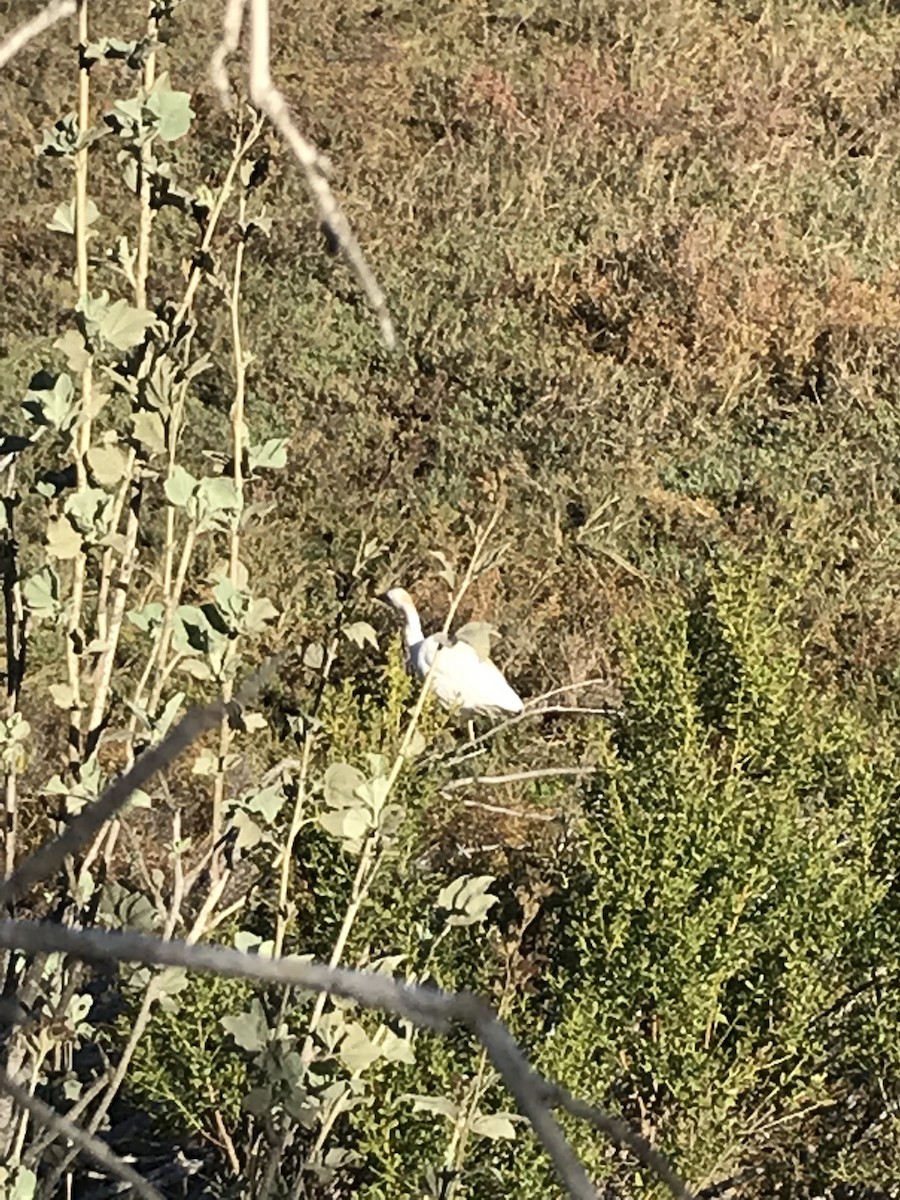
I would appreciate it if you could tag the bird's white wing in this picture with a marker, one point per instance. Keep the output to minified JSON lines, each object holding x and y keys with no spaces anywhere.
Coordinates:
{"x":493,"y":690}
{"x":455,"y":665}
{"x":462,"y":679}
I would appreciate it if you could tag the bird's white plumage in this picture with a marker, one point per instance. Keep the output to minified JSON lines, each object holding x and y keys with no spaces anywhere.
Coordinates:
{"x":460,"y":679}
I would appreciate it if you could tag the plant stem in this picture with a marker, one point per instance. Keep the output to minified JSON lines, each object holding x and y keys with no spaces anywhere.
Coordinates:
{"x":238,"y":447}
{"x":15,"y":625}
{"x":82,"y":438}
{"x":109,"y":625}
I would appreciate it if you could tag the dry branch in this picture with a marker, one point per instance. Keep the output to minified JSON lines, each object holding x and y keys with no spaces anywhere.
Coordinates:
{"x":269,"y":100}
{"x":520,"y":777}
{"x":27,"y":32}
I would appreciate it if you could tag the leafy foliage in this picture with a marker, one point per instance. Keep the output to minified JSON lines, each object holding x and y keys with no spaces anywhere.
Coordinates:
{"x":644,"y":265}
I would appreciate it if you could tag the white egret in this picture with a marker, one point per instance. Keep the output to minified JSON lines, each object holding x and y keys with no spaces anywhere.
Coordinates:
{"x":462,"y":678}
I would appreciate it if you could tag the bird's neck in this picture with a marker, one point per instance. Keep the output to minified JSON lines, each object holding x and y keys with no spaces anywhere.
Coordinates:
{"x":412,"y":630}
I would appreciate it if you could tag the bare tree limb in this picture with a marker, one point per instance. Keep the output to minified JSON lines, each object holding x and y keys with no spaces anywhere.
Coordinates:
{"x":520,"y":776}
{"x":231,"y":35}
{"x":57,"y":10}
{"x":62,"y":1127}
{"x":429,"y":1008}
{"x":503,"y":810}
{"x":622,"y":1134}
{"x":268,"y":99}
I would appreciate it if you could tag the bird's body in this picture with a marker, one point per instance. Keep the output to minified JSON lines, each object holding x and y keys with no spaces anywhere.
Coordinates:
{"x":460,"y":677}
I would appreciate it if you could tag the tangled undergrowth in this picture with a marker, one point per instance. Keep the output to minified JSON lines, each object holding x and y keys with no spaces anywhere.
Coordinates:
{"x":644,"y":263}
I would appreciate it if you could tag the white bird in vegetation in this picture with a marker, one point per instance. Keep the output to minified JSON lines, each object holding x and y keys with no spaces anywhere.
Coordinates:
{"x":462,"y":678}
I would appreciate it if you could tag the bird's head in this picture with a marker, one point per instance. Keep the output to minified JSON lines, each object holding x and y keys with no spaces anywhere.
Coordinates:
{"x":398,"y":598}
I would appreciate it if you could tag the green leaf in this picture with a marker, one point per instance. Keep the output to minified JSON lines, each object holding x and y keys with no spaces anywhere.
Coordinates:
{"x":193,"y":633}
{"x":62,"y":540}
{"x":374,"y":792}
{"x":417,"y":743}
{"x":314,"y":656}
{"x":357,"y":1051}
{"x":395,"y":1048}
{"x":170,"y":983}
{"x":25,"y":1185}
{"x":73,"y":346}
{"x":260,"y":613}
{"x":63,"y":219}
{"x":163,"y":722}
{"x":229,"y":600}
{"x":349,"y":825}
{"x":206,"y":763}
{"x":61,"y":694}
{"x":250,"y":943}
{"x":216,"y":503}
{"x":499,"y":1125}
{"x":341,"y":781}
{"x":261,"y":223}
{"x":249,"y":1029}
{"x":196,"y":669}
{"x":41,"y":593}
{"x":90,"y":509}
{"x":146,"y":618}
{"x":108,"y":464}
{"x":268,"y":455}
{"x":249,"y":833}
{"x":150,"y":431}
{"x":361,"y":632}
{"x":109,"y":47}
{"x":56,"y":405}
{"x":179,"y":487}
{"x":171,"y":109}
{"x":467,"y":899}
{"x":433,"y":1104}
{"x":124,"y":325}
{"x":14,"y":734}
{"x":267,"y":802}
{"x":62,"y":139}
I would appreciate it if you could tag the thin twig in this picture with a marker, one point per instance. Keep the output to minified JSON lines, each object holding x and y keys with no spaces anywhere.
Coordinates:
{"x":519,"y":776}
{"x":268,"y":99}
{"x":476,"y":746}
{"x":62,"y":1127}
{"x":57,"y":10}
{"x":109,"y":623}
{"x":501,"y":810}
{"x":535,"y":701}
{"x":239,"y":438}
{"x":474,"y":562}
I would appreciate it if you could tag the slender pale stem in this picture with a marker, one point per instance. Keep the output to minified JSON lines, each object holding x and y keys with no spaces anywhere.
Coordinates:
{"x":475,"y":562}
{"x":170,"y":589}
{"x":238,"y":447}
{"x":82,"y":438}
{"x":283,"y":912}
{"x":15,"y":626}
{"x":109,"y":625}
